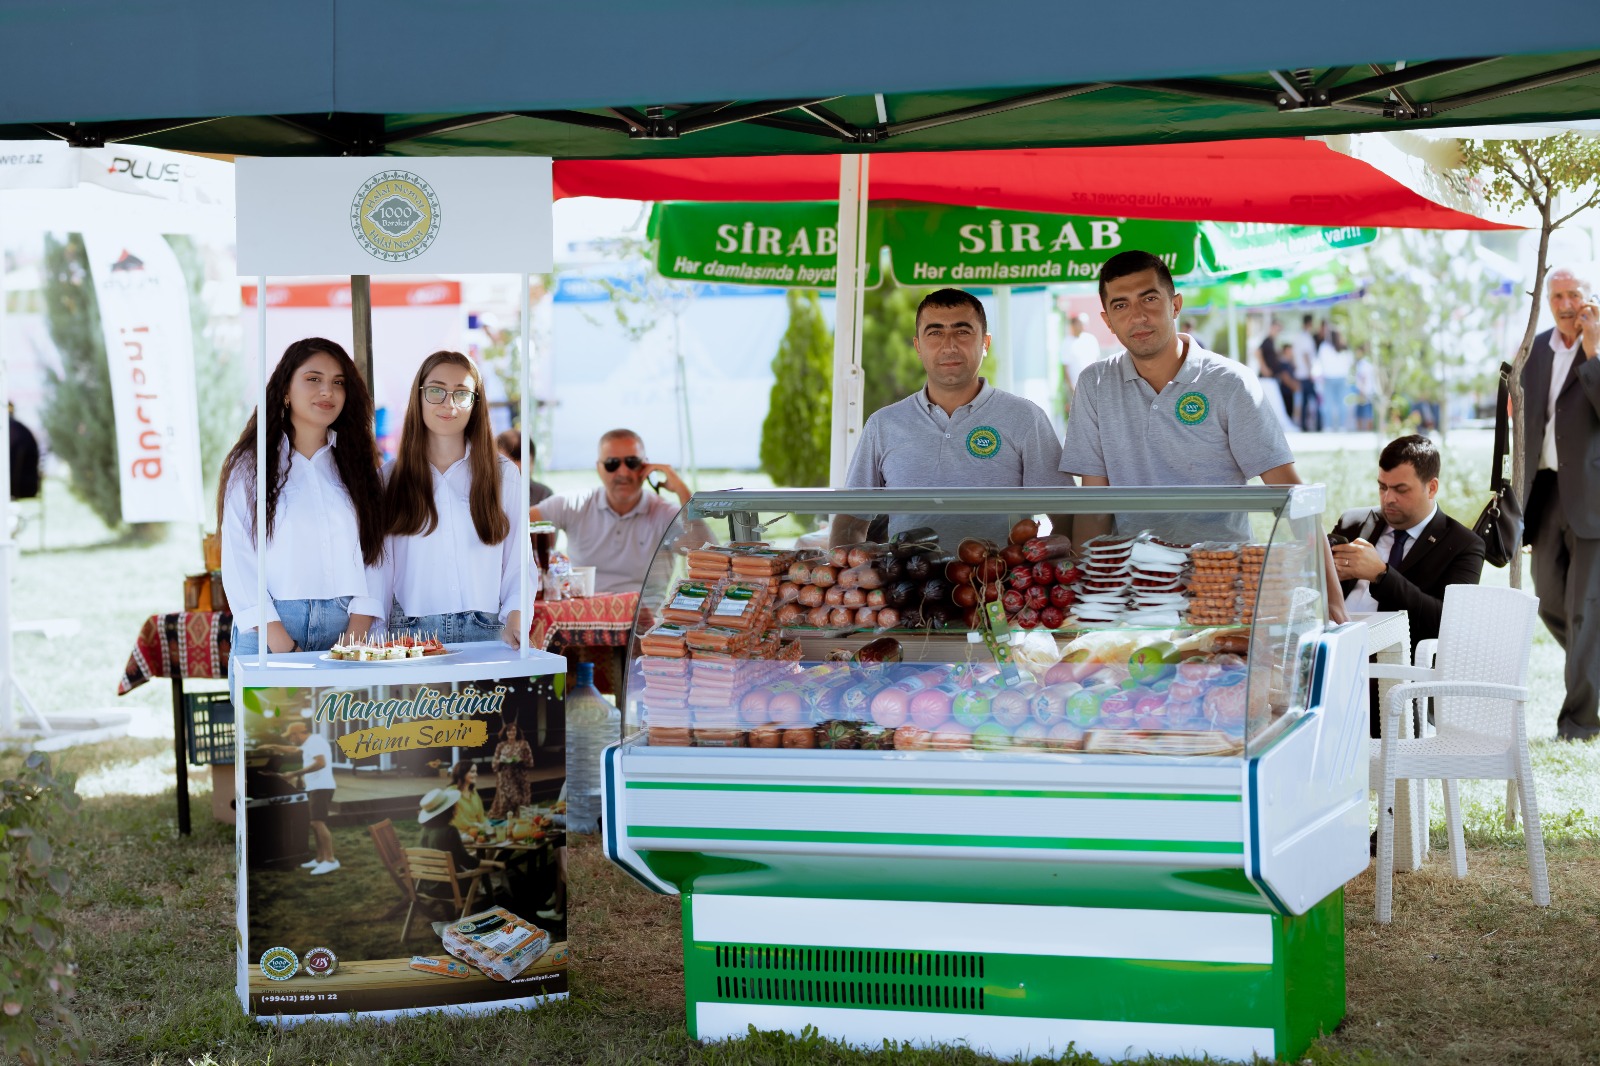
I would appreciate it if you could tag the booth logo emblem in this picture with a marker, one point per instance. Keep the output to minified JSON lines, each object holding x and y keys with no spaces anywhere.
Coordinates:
{"x":983,"y":442}
{"x":1192,"y":408}
{"x":395,"y":216}
{"x":279,"y":964}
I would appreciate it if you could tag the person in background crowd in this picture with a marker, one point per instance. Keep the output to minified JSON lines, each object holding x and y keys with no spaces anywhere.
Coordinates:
{"x":1364,"y":379}
{"x":316,"y":777}
{"x":1561,"y":466}
{"x":1308,"y":411}
{"x":324,"y":556}
{"x":1334,"y":360}
{"x":1404,"y":553}
{"x":1081,"y":350}
{"x":509,"y":444}
{"x":1165,"y":412}
{"x":1277,"y":363}
{"x":452,"y":564}
{"x":1194,"y":334}
{"x":617,"y":527}
{"x":957,"y":430}
{"x":24,"y":458}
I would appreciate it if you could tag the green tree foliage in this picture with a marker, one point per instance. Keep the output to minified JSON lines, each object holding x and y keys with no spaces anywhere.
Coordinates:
{"x":888,"y":362}
{"x":1557,"y":177}
{"x":218,"y":370}
{"x":795,"y":434}
{"x":78,"y":413}
{"x":38,"y":978}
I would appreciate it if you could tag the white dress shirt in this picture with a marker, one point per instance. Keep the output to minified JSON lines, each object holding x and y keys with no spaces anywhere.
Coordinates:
{"x":314,"y":552}
{"x":1361,"y":600}
{"x":1560,"y":367}
{"x":451,"y":569}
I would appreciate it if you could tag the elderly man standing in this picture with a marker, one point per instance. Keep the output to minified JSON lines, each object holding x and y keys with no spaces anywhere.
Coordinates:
{"x":1561,"y":464}
{"x":616,"y":528}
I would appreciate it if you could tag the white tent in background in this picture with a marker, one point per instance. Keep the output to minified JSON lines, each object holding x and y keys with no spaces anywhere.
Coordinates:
{"x":26,"y":168}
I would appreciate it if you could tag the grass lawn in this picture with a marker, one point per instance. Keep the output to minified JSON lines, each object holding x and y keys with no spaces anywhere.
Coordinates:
{"x":1469,"y":972}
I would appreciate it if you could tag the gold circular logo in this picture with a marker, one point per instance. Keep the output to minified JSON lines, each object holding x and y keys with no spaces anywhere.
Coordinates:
{"x":395,"y":216}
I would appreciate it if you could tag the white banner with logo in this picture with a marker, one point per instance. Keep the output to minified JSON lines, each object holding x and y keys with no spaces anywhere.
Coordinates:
{"x":144,"y":317}
{"x":123,"y":168}
{"x":37,"y":165}
{"x":374,"y":215}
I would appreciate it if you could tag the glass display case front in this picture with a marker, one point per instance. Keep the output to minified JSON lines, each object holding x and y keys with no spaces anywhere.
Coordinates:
{"x":1153,"y":622}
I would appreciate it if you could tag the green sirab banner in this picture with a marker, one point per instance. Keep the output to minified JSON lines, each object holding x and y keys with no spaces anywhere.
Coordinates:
{"x":1266,"y":288}
{"x":937,"y":245}
{"x":781,"y":244}
{"x":1231,"y":247}
{"x":797,"y":244}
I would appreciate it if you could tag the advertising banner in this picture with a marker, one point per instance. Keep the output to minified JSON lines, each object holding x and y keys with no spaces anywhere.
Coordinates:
{"x":402,"y":847}
{"x":1269,"y":288}
{"x":144,"y":319}
{"x":794,"y":245}
{"x":1229,"y":247}
{"x":365,"y":215}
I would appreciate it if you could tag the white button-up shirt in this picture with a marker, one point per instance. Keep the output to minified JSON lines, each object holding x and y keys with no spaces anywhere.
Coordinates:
{"x":1361,"y":600}
{"x":1560,"y":367}
{"x":314,"y":552}
{"x":451,"y":569}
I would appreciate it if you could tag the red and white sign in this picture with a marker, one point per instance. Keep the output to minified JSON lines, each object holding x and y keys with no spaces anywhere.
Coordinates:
{"x":144,"y":319}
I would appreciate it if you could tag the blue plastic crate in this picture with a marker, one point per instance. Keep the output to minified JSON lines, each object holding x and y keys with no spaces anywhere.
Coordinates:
{"x":209,"y":728}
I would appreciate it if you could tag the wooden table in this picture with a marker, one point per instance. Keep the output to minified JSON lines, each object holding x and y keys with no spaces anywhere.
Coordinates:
{"x":1389,"y":641}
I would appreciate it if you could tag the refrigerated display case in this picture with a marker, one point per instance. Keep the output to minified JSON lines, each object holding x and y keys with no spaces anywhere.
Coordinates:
{"x":901,"y":801}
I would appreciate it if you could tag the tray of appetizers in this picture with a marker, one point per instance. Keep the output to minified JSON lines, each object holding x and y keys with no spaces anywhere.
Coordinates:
{"x":362,"y":652}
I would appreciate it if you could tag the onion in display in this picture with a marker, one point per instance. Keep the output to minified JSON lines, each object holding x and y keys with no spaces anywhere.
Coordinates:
{"x":964,"y":596}
{"x":973,"y":551}
{"x":1024,"y":530}
{"x":958,"y":572}
{"x":1012,"y":554}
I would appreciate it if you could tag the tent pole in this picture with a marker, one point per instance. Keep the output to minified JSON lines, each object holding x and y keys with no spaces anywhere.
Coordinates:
{"x":1005,"y":377}
{"x":261,"y":470}
{"x":7,"y":545}
{"x":849,"y":283}
{"x":519,"y":528}
{"x":1235,"y":347}
{"x":361,"y":325}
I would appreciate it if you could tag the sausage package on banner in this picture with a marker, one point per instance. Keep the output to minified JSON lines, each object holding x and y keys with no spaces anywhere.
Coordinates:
{"x":401,"y":847}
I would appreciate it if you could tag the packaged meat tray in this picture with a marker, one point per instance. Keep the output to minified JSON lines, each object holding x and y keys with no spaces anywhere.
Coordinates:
{"x":496,"y":942}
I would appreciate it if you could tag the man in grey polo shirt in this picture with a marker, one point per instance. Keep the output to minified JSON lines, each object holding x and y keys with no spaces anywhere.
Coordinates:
{"x":1165,"y":412}
{"x":957,"y":431}
{"x":617,"y":527}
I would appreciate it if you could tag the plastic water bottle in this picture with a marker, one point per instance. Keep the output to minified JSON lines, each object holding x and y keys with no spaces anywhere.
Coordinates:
{"x":592,"y":723}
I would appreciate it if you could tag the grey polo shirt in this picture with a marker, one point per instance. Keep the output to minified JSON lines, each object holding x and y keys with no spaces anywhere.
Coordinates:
{"x":999,"y":440}
{"x":1211,"y":425}
{"x":619,"y":546}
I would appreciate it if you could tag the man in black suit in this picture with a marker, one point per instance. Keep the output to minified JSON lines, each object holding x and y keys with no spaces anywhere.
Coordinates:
{"x":1403,"y":554}
{"x":1561,"y":466}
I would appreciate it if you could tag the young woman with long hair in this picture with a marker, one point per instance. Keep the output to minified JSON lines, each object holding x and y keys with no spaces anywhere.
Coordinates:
{"x":452,"y":505}
{"x":324,"y":543}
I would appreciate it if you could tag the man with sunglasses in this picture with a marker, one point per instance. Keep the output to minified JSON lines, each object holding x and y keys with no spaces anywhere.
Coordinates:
{"x":617,"y":527}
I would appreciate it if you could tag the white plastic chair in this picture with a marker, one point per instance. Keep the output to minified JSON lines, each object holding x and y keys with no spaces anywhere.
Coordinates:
{"x":1479,"y":690}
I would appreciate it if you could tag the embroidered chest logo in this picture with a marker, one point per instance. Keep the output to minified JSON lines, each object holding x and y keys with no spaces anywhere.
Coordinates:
{"x":1192,"y":408}
{"x":983,"y":442}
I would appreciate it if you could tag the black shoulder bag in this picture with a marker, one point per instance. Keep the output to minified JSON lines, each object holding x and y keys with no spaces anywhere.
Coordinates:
{"x":1500,"y":524}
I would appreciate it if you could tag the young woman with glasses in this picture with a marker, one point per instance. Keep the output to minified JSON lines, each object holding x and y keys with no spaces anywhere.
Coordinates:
{"x":452,"y":503}
{"x":324,"y":518}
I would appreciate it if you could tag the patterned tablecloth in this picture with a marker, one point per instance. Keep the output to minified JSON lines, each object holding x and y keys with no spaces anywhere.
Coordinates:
{"x":185,"y":644}
{"x":593,"y":621}
{"x":197,"y":643}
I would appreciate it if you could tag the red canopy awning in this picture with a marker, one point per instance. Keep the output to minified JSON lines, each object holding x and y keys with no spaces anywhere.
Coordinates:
{"x":1277,"y":180}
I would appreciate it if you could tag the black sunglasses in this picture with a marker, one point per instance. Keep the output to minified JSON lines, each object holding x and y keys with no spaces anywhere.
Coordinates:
{"x":633,"y":462}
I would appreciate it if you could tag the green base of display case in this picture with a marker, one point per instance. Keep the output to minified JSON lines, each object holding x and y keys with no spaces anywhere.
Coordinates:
{"x":1013,"y":980}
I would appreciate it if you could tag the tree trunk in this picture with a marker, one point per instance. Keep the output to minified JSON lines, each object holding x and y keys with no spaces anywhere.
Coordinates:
{"x":1518,"y":401}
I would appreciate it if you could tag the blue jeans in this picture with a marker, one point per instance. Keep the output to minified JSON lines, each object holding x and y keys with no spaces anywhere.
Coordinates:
{"x":460,"y":627}
{"x":1336,"y":403}
{"x":315,"y":624}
